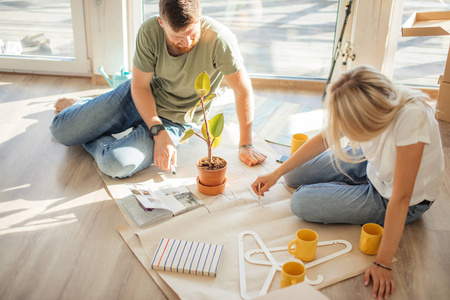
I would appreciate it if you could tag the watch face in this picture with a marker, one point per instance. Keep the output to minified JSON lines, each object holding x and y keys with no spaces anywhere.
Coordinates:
{"x":155,"y":129}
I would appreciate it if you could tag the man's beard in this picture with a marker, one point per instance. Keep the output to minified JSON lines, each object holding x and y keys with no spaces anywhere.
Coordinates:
{"x":177,"y":50}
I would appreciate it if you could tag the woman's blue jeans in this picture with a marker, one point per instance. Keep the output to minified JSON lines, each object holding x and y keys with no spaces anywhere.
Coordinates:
{"x":92,"y":124}
{"x":326,"y":195}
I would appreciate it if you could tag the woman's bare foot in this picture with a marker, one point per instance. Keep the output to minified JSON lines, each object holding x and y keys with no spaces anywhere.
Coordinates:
{"x":63,"y":103}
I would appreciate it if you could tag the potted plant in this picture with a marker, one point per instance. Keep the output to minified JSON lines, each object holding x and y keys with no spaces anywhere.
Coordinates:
{"x":211,"y":169}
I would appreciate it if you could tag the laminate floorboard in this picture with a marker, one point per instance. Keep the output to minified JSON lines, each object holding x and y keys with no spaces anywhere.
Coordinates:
{"x":58,"y":236}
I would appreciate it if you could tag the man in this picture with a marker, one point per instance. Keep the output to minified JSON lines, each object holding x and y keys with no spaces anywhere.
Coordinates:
{"x":171,"y":51}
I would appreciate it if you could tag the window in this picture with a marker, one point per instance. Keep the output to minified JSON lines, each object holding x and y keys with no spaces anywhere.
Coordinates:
{"x":287,"y":38}
{"x":43,"y":36}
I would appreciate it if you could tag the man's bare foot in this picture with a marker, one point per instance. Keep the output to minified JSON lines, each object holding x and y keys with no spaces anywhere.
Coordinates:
{"x":63,"y":103}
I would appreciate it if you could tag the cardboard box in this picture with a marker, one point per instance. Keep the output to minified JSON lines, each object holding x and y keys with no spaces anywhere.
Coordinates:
{"x":443,"y":102}
{"x":446,"y":77}
{"x":427,"y":24}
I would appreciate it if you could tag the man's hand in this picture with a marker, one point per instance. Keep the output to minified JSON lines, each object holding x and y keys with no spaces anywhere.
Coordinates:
{"x":250,"y":156}
{"x":383,"y":282}
{"x":164,"y":151}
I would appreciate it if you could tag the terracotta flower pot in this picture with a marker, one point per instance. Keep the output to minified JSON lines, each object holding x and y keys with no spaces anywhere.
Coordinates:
{"x":211,"y":190}
{"x":211,"y":177}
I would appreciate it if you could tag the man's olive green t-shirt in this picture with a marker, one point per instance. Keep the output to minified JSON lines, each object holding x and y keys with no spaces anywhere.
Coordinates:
{"x":172,"y":85}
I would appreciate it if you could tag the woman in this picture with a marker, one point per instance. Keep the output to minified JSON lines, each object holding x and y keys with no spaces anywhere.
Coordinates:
{"x":390,"y":175}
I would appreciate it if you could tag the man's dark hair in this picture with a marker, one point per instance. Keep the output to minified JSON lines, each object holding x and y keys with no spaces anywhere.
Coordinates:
{"x":179,"y":13}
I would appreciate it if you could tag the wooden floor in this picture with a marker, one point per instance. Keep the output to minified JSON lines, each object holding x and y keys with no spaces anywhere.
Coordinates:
{"x":58,"y":237}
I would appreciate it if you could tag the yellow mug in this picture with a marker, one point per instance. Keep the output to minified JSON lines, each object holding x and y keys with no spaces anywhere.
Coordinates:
{"x":305,"y":245}
{"x":292,"y":273}
{"x":298,"y":140}
{"x":370,"y":240}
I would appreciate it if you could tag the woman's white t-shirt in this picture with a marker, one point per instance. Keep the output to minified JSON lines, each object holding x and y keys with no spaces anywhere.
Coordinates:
{"x":413,"y":123}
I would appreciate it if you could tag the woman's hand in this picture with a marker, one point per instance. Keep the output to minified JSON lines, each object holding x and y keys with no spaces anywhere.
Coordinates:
{"x":383,"y":282}
{"x":264,"y":182}
{"x":406,"y":169}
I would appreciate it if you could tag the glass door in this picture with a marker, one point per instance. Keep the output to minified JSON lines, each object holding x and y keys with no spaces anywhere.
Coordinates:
{"x":43,"y":36}
{"x":277,"y":38}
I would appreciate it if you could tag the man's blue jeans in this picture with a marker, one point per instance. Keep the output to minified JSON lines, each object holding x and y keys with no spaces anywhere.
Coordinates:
{"x":326,"y":195}
{"x":92,"y":123}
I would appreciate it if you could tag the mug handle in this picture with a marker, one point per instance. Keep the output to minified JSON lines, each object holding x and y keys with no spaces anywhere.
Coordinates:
{"x":289,"y":247}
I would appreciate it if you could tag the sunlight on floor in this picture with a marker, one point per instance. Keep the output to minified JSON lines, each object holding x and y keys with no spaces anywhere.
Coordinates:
{"x":30,"y":219}
{"x":310,"y":122}
{"x":59,"y":220}
{"x":32,"y":215}
{"x":16,"y":188}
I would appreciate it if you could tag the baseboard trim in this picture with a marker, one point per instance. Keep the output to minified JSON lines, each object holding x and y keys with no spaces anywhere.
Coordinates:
{"x":289,"y":84}
{"x":98,"y":80}
{"x":262,"y":83}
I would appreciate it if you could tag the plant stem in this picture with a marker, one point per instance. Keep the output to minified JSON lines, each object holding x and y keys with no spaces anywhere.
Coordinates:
{"x":200,"y":136}
{"x":209,"y":139}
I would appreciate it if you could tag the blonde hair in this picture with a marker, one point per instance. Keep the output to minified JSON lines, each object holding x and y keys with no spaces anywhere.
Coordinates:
{"x":361,"y":104}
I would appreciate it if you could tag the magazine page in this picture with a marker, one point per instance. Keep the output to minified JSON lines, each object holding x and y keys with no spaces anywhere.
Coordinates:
{"x":150,"y":206}
{"x":178,"y":199}
{"x":141,"y":216}
{"x":146,"y":198}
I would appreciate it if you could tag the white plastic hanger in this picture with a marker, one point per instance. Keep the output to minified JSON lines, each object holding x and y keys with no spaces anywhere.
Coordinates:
{"x":269,"y":256}
{"x":275,"y":265}
{"x":348,"y":248}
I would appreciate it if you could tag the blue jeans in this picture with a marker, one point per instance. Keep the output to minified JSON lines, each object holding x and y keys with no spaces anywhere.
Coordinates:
{"x":92,"y":124}
{"x":326,"y":195}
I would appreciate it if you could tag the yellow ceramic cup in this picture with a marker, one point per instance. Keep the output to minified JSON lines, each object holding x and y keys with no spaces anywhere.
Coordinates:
{"x":370,"y":240}
{"x":305,"y":245}
{"x":298,"y":140}
{"x":292,"y":273}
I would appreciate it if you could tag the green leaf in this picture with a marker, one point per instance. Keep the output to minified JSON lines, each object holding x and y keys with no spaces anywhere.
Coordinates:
{"x":216,"y":125}
{"x":209,"y":98}
{"x":189,"y":116}
{"x":187,"y":134}
{"x":202,"y":84}
{"x":217,"y":141}
{"x":204,"y":130}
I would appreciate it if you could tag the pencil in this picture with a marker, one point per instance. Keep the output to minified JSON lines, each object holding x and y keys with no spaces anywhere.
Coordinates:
{"x":174,"y":171}
{"x":259,"y":189}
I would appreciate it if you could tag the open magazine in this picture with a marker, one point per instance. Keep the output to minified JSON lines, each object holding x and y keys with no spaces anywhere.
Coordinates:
{"x":147,"y":206}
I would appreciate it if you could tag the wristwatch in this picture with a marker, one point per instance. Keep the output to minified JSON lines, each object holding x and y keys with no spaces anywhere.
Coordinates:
{"x":155,"y":129}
